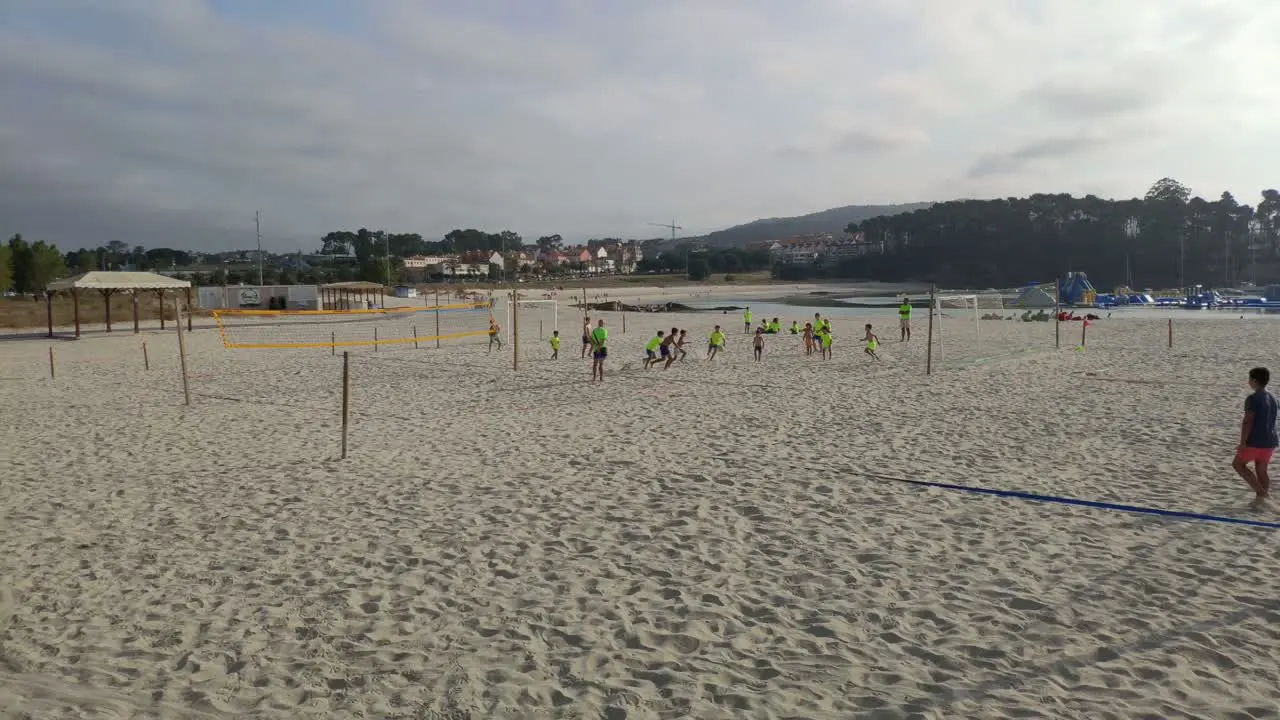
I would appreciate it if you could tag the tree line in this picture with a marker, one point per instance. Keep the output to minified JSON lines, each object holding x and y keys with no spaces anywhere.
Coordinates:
{"x":1168,"y":238}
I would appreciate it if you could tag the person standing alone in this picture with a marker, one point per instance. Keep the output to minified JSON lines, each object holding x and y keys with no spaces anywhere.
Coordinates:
{"x":1258,"y":438}
{"x":599,"y":351}
{"x":904,"y":320}
{"x":746,"y":321}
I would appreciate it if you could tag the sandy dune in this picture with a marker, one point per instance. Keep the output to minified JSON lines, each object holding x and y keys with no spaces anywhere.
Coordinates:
{"x":719,"y":540}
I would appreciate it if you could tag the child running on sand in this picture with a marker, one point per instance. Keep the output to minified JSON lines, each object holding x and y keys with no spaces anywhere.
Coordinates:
{"x":873,"y":342}
{"x":555,"y":344}
{"x":758,"y":344}
{"x":1258,"y":438}
{"x":715,"y":343}
{"x":667,"y":349}
{"x":651,"y":350}
{"x":680,"y":346}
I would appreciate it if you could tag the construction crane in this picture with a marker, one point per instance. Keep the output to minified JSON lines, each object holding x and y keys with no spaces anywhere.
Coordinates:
{"x":672,"y":226}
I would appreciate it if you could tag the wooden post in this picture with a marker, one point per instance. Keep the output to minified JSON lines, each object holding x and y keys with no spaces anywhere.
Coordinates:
{"x":437,"y":292}
{"x":1084,"y":326}
{"x":333,"y":343}
{"x":106,"y":296}
{"x":346,"y":398}
{"x":146,"y":359}
{"x":187,"y":291}
{"x":51,"y":371}
{"x":375,"y":338}
{"x":1170,"y":332}
{"x":1057,"y":313}
{"x":135,"y":311}
{"x":182,"y":353}
{"x":540,"y":335}
{"x":160,"y":297}
{"x":415,"y":337}
{"x":624,"y":323}
{"x":48,"y":306}
{"x":928,"y":357}
{"x":75,"y":309}
{"x":515,"y":330}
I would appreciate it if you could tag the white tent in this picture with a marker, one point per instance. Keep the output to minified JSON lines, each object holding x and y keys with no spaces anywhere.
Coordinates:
{"x":109,"y":283}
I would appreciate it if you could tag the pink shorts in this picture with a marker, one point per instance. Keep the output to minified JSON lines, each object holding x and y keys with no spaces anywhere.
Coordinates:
{"x":1254,"y":455}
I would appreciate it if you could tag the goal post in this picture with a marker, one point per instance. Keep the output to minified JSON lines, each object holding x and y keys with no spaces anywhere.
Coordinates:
{"x":531,"y":311}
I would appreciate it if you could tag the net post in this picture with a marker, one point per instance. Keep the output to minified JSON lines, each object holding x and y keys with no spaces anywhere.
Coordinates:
{"x":415,"y":337}
{"x":1084,"y":327}
{"x":182,"y":352}
{"x":346,"y":398}
{"x":624,"y":323}
{"x":1057,"y":313}
{"x":437,"y":319}
{"x":515,"y":330}
{"x":52,"y":374}
{"x":375,"y":339}
{"x":928,"y":357}
{"x":146,"y":361}
{"x":1170,"y":332}
{"x":540,"y":333}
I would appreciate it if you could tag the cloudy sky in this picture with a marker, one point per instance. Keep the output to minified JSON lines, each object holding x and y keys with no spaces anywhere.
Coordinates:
{"x":168,"y":122}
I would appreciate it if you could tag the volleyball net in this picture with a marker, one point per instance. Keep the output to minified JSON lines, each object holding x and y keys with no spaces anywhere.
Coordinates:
{"x":284,"y":329}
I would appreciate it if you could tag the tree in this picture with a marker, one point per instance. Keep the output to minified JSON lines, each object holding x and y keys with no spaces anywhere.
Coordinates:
{"x":34,"y":265}
{"x":547,"y":243}
{"x":6,"y":268}
{"x":1169,"y":190}
{"x":698,"y":269}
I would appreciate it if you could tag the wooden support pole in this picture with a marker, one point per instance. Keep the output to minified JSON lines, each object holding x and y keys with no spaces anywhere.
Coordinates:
{"x":146,"y":359}
{"x":1170,"y":332}
{"x":106,"y":296}
{"x":624,"y":323}
{"x":346,"y":398}
{"x":182,"y":353}
{"x":928,"y":357}
{"x":52,"y":374}
{"x":375,"y":339}
{"x":1084,"y":327}
{"x":1057,"y":313}
{"x":48,"y":306}
{"x":515,"y":330}
{"x":437,"y":319}
{"x":187,"y":291}
{"x":415,"y":337}
{"x":160,"y":297}
{"x":135,"y":311}
{"x":75,"y":309}
{"x":333,"y":343}
{"x":540,"y":335}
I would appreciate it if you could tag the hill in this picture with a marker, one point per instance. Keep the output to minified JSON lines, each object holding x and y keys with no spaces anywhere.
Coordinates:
{"x":832,"y":220}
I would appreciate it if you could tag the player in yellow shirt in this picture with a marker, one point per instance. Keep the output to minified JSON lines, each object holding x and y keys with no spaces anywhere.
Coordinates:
{"x":715,"y":343}
{"x":651,"y":350}
{"x":555,"y":344}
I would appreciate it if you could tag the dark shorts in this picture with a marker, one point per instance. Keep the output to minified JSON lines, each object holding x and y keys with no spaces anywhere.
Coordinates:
{"x":600,"y":353}
{"x":665,"y":351}
{"x":586,"y":339}
{"x":651,"y":354}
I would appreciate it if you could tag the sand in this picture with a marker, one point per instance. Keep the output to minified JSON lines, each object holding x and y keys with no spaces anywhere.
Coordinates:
{"x":719,"y":540}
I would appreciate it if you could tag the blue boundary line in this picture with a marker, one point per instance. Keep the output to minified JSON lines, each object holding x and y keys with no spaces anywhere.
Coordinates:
{"x":1179,"y":514}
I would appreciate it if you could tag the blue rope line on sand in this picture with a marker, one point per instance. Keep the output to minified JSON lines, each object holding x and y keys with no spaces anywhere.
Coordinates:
{"x":1085,"y":503}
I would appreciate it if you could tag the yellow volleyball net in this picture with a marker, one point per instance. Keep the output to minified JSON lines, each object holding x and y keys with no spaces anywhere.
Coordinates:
{"x":416,"y":326}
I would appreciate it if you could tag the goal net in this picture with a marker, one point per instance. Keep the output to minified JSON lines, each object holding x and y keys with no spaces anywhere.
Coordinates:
{"x":536,"y":318}
{"x":281,"y":329}
{"x":964,"y":326}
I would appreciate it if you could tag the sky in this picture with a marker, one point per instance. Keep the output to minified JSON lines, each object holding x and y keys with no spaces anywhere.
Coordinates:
{"x":170,"y":122}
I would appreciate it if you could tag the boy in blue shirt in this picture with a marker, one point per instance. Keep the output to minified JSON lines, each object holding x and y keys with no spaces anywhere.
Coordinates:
{"x":1258,"y":439}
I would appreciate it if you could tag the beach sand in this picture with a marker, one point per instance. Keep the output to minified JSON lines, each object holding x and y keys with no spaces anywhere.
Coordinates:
{"x":723,"y":539}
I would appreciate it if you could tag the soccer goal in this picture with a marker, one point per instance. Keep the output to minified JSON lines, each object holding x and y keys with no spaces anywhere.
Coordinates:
{"x":958,"y":321}
{"x":545,"y":313}
{"x":286,"y":329}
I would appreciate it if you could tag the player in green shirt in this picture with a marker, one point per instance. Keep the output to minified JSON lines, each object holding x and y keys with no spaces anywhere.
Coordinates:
{"x":651,"y":350}
{"x":599,"y":351}
{"x":715,"y":343}
{"x":746,"y":321}
{"x":555,"y":344}
{"x":904,"y":320}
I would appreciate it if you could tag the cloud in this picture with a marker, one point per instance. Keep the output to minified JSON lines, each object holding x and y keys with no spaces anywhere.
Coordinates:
{"x":172,"y":121}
